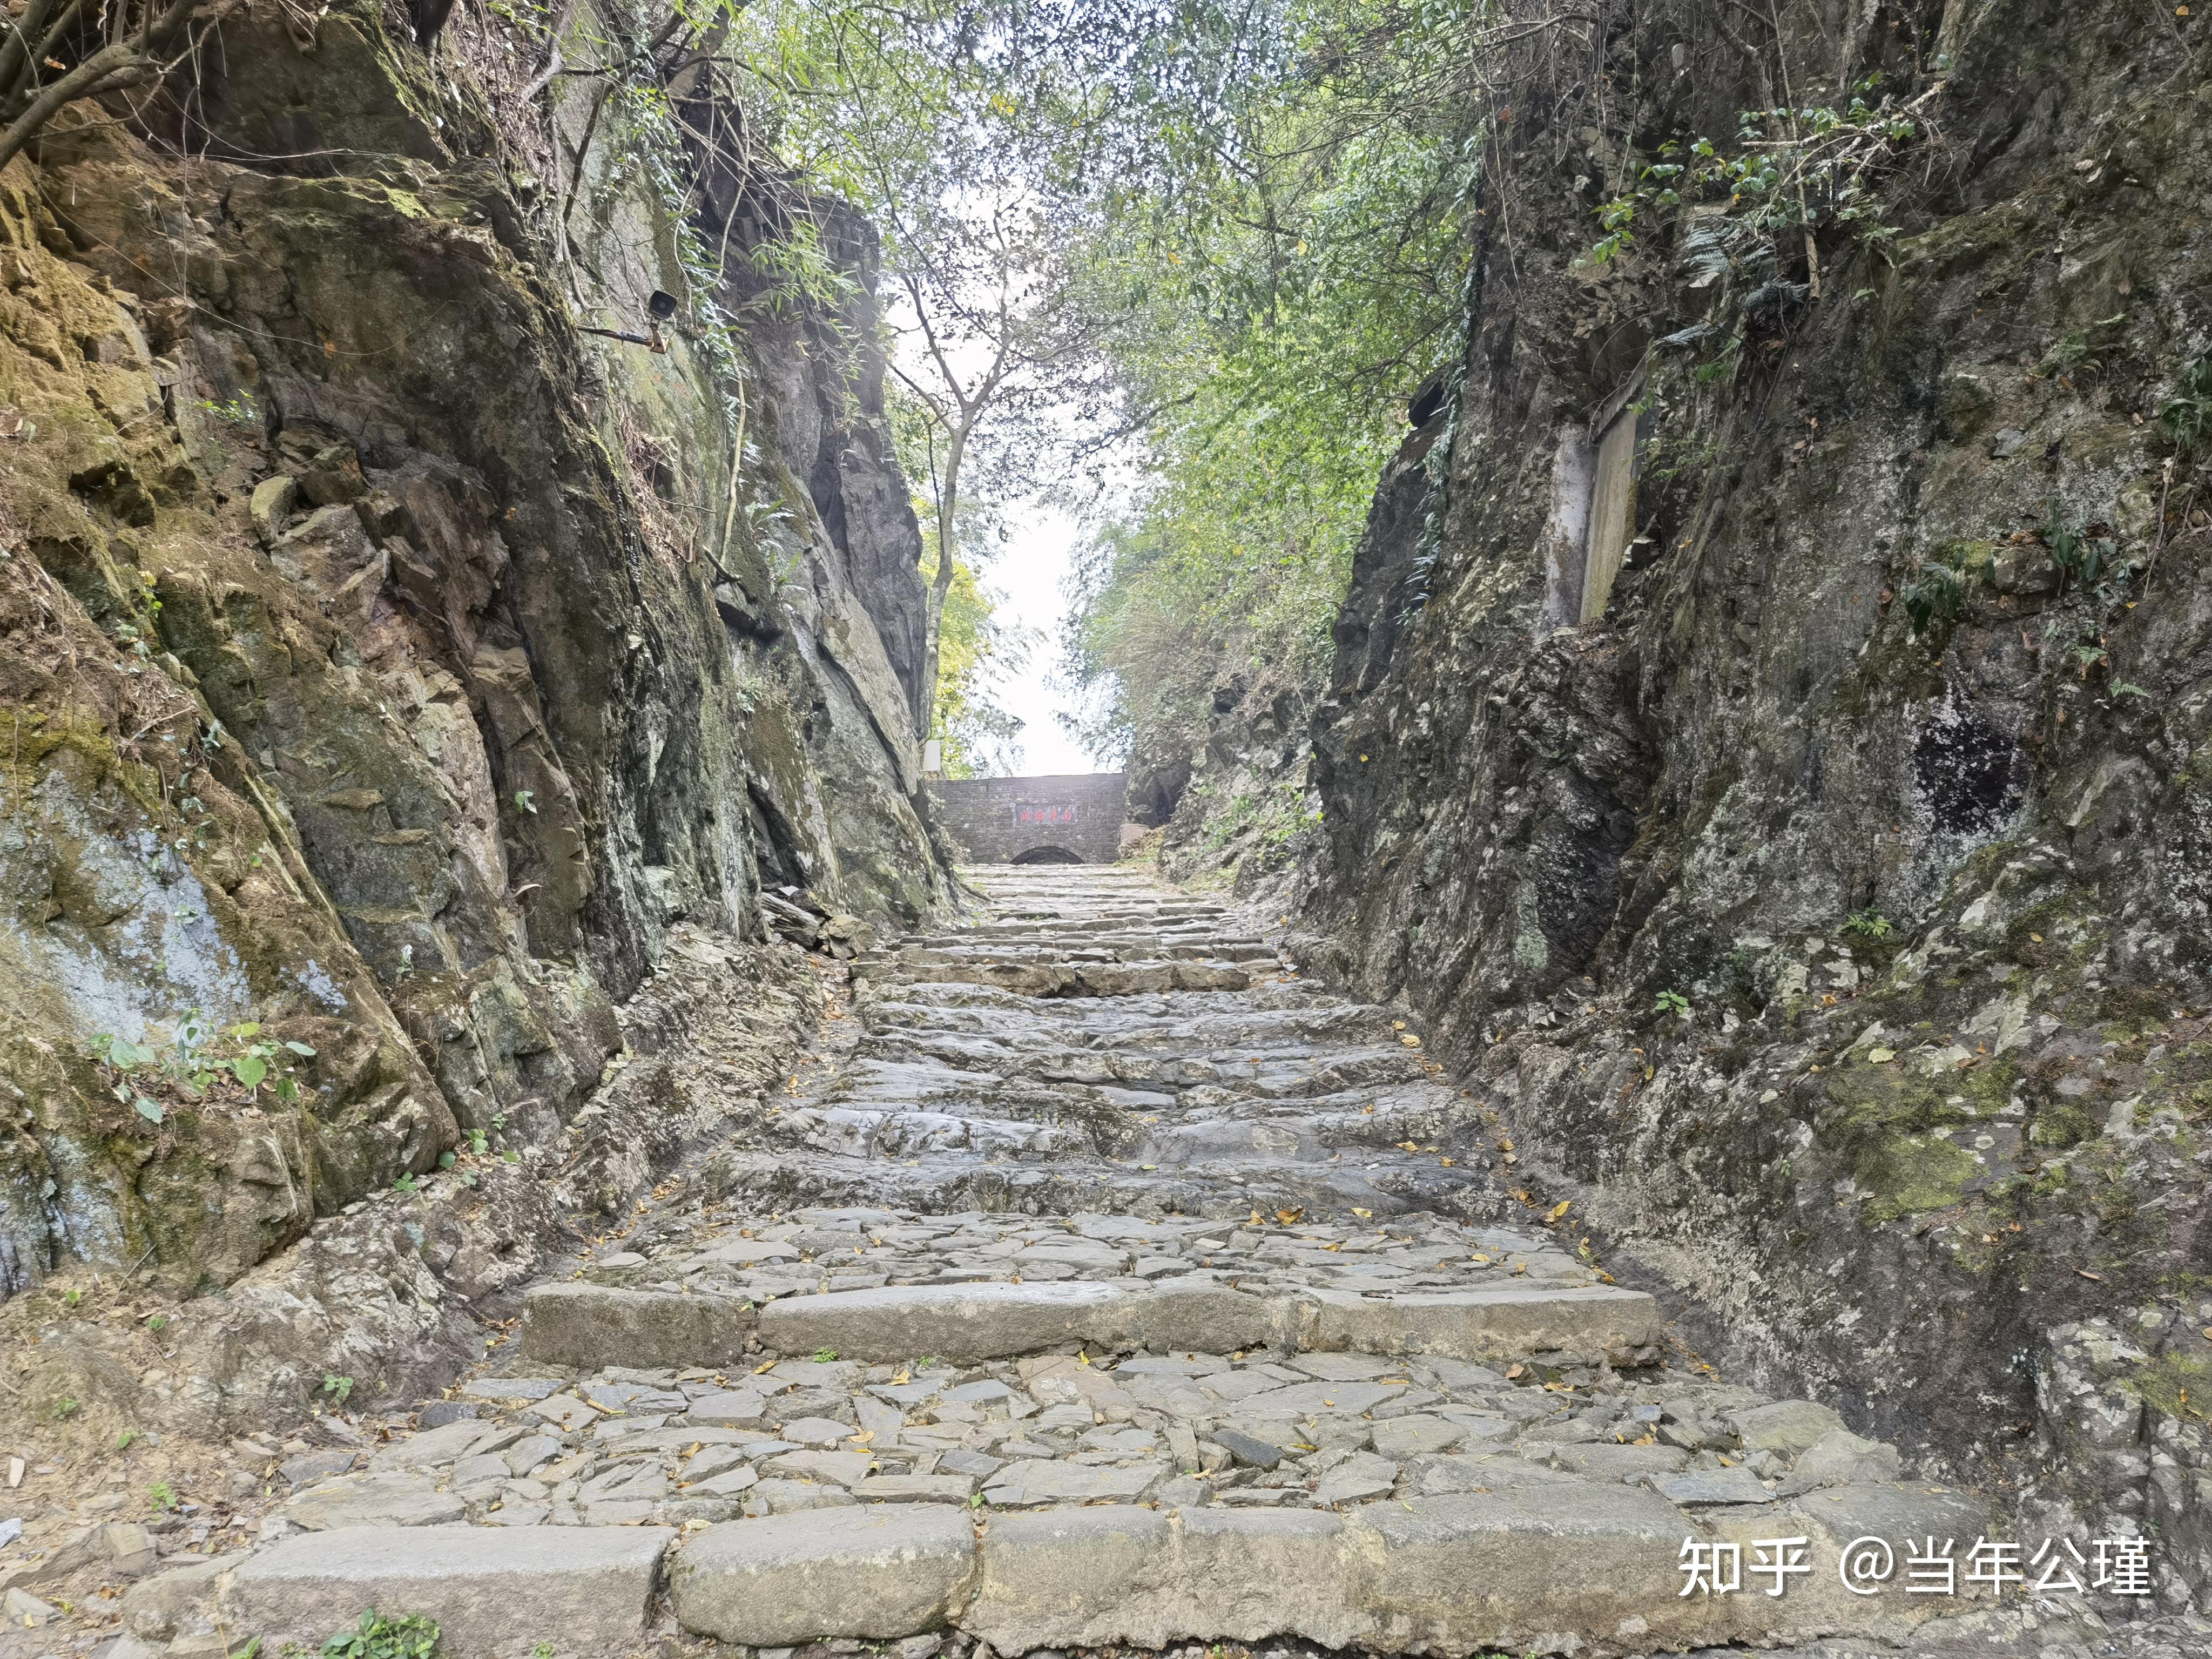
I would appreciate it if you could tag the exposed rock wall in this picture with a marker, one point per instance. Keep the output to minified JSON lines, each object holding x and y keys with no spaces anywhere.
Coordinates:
{"x":384,"y":662}
{"x":1853,"y":974}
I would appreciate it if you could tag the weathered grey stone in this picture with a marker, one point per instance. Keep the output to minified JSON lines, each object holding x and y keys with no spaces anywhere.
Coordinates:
{"x":589,"y":1325}
{"x":1607,"y":1462}
{"x":1361,"y":1475}
{"x":430,"y":1448}
{"x":781,"y":1497}
{"x":372,"y":1500}
{"x":1043,"y":1480}
{"x":1481,"y":1324}
{"x":873,"y":1572}
{"x":914,"y":1488}
{"x":1736,"y":1485}
{"x":1406,"y":1436}
{"x":968,"y":1323}
{"x":1841,"y":1458}
{"x":1248,"y":1448}
{"x":1787,"y":1426}
{"x":154,"y":1608}
{"x":1503,"y":1569}
{"x":962,"y":1323}
{"x":491,"y":1591}
{"x":738,"y":1408}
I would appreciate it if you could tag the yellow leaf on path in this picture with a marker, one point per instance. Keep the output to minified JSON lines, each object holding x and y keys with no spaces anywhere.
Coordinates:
{"x":1561,"y":1208}
{"x":1365,"y":1215}
{"x":769,"y":1366}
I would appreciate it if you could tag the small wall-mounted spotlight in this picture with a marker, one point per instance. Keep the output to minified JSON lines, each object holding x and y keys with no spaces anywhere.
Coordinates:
{"x":660,"y":306}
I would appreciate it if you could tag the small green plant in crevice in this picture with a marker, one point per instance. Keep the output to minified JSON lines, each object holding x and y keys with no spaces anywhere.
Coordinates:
{"x":1934,"y":597}
{"x":2081,"y":557}
{"x":1867,"y":924}
{"x":375,"y":1637}
{"x":339,"y":1388}
{"x":1672,"y":1002}
{"x":824,"y":1356}
{"x":64,"y":1408}
{"x":2186,"y":418}
{"x":161,"y":1497}
{"x":150,"y":1079}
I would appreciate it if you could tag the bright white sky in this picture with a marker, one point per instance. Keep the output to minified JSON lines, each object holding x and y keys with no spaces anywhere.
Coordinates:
{"x":1030,"y":575}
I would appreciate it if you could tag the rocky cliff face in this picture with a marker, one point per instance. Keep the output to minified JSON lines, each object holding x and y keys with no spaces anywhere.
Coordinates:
{"x":1828,"y":911}
{"x":385,"y":666}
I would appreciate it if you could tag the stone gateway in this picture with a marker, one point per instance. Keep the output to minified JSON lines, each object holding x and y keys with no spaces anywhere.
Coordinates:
{"x":1075,"y":819}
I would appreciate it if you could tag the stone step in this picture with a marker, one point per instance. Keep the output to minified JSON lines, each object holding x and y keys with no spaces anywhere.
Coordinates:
{"x":1583,"y":1570}
{"x":1058,"y":979}
{"x":491,"y":1591}
{"x":588,"y":1325}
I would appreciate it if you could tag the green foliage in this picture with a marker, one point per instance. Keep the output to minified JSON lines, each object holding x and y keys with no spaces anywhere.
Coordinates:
{"x":824,"y":1356}
{"x":62,"y":1408}
{"x":2187,"y":415}
{"x":1788,"y":173}
{"x":1282,"y":263}
{"x":2081,"y":558}
{"x":377,"y":1637}
{"x":1933,"y":597}
{"x":1867,"y":924}
{"x":161,"y":1497}
{"x":197,"y":1058}
{"x":1672,"y":1002}
{"x":975,"y":648}
{"x":339,"y":1388}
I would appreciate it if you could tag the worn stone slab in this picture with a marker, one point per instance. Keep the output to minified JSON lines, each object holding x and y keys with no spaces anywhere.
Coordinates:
{"x":1732,"y":1485}
{"x":1833,"y":1518}
{"x":590,"y":1326}
{"x":1512,"y":1569}
{"x":874,"y":1571}
{"x":969,"y":1323}
{"x":491,"y":1591}
{"x":1494,"y":1323}
{"x":1787,"y":1426}
{"x":372,"y":1500}
{"x":1603,"y":1461}
{"x":1119,"y":1574}
{"x":1047,"y":1481}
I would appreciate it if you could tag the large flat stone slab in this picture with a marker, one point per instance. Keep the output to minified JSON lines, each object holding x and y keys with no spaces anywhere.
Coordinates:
{"x":1496,"y":1323}
{"x":491,"y":1591}
{"x":1561,"y":1568}
{"x":970,"y":1323}
{"x":592,"y":1326}
{"x":875,"y":1571}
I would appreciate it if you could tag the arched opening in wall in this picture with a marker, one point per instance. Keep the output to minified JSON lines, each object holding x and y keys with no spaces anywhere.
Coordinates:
{"x":1045,"y":855}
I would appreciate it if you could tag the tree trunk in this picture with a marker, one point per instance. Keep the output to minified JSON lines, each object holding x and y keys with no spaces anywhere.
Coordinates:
{"x":940,"y":584}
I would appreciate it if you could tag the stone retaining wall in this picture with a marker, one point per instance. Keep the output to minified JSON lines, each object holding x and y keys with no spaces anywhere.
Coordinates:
{"x":1029,"y":820}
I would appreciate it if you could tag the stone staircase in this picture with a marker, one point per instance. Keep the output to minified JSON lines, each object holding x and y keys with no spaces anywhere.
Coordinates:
{"x":1106,"y":1291}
